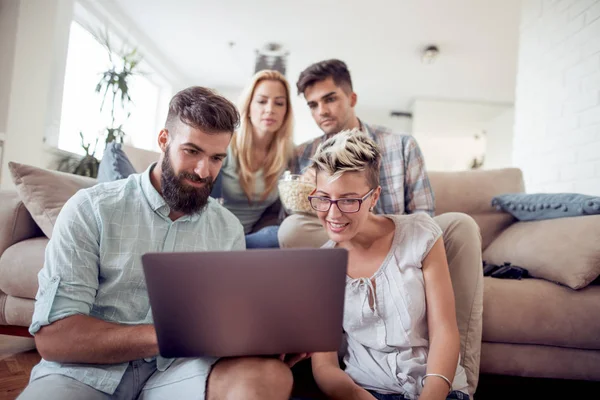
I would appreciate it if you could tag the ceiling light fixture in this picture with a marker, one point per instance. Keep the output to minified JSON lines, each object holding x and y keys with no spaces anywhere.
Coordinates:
{"x":430,"y":54}
{"x":271,"y":56}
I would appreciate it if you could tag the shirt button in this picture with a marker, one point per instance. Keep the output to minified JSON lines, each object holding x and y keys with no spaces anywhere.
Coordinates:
{"x":55,"y":279}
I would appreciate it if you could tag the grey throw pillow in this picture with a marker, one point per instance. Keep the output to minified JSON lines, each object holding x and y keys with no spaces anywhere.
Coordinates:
{"x":540,"y":206}
{"x":44,"y":192}
{"x":115,"y":164}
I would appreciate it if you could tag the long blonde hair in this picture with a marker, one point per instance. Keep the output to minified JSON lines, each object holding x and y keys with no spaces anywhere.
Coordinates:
{"x":281,"y":148}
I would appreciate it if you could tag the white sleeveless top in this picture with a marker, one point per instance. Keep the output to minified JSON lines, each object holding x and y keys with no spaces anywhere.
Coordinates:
{"x":386,"y":346}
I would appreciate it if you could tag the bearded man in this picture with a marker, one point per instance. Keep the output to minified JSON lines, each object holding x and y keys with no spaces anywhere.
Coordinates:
{"x":92,"y":323}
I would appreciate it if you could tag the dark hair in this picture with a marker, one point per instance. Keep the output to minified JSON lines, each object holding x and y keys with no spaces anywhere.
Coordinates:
{"x":203,"y":109}
{"x":320,"y":71}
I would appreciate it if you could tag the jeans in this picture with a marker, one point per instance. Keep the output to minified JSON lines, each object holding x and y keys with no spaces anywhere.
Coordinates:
{"x":455,"y":395}
{"x":266,"y":238}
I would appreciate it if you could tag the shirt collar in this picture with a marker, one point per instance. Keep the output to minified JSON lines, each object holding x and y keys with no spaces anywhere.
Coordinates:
{"x":364,"y":128}
{"x":157,"y":202}
{"x":154,"y":198}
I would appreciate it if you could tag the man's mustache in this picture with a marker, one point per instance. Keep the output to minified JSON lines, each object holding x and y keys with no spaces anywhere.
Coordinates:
{"x":195,"y":178}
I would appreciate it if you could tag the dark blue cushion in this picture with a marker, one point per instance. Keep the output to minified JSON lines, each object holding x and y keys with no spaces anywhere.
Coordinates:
{"x":538,"y":206}
{"x":115,"y":164}
{"x":217,"y":190}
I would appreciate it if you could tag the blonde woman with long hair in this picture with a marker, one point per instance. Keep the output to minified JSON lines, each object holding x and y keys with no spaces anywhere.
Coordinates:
{"x":258,"y":154}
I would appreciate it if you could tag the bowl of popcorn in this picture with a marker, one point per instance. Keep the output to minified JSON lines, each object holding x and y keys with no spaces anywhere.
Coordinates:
{"x":294,"y":190}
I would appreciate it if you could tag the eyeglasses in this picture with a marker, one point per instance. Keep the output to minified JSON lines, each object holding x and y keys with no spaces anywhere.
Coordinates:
{"x":323,"y":204}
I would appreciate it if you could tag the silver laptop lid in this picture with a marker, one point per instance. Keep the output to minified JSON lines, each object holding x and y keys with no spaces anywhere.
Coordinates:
{"x":242,"y":303}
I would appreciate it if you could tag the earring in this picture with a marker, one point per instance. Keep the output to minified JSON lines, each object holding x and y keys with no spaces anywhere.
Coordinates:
{"x":371,"y":208}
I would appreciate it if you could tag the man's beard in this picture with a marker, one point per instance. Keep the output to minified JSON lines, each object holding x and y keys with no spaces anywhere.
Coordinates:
{"x":180,"y":196}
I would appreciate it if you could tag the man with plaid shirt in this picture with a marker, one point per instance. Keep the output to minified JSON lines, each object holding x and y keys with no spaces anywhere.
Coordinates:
{"x":405,"y":189}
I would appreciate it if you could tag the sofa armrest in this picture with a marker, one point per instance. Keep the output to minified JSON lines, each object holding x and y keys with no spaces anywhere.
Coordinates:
{"x":16,"y":223}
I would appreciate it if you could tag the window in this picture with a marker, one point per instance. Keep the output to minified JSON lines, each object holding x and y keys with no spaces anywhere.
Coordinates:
{"x":86,"y":60}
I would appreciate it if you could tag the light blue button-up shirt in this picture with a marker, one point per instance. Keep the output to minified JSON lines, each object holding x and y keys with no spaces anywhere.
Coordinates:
{"x":93,"y":261}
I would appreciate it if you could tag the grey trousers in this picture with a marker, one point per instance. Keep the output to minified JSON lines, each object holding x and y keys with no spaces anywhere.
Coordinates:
{"x":142,"y":381}
{"x":462,"y":241}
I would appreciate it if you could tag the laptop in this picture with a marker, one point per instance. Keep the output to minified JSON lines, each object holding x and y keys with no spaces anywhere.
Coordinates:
{"x":247,"y":303}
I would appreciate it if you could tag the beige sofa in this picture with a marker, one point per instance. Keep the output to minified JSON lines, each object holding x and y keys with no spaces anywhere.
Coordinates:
{"x":531,"y":327}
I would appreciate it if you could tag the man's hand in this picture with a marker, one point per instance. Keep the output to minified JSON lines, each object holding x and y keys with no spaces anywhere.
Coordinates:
{"x":293,"y":359}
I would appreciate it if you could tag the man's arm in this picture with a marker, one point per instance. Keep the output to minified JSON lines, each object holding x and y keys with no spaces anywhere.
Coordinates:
{"x":83,"y":339}
{"x":68,"y":284}
{"x":418,"y":194}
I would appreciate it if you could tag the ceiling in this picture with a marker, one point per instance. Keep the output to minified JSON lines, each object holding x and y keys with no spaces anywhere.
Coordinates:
{"x":379,"y":40}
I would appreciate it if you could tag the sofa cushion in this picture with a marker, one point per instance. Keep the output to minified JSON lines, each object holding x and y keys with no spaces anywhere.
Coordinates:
{"x":15,"y":310}
{"x":564,"y":250}
{"x":19,"y":266}
{"x":140,"y":158}
{"x":471,"y":192}
{"x":535,"y":311}
{"x":535,"y":361}
{"x":115,"y":164}
{"x":17,"y":223}
{"x":44,"y":192}
{"x":491,"y":225}
{"x":540,"y":206}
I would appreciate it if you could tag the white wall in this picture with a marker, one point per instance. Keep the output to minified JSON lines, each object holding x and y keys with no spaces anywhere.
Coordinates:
{"x":499,"y":133}
{"x":41,"y":41}
{"x":31,"y":93}
{"x":9,"y":13}
{"x":557,"y":121}
{"x":381,"y":116}
{"x":446,"y":130}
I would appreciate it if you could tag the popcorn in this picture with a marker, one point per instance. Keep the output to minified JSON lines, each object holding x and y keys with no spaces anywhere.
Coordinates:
{"x":293,"y":192}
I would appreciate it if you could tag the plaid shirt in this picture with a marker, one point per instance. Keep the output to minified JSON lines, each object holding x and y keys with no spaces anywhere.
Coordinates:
{"x":405,"y":187}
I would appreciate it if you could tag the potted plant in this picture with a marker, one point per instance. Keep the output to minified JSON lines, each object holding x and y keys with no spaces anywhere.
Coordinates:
{"x":85,"y":166}
{"x":114,"y":87}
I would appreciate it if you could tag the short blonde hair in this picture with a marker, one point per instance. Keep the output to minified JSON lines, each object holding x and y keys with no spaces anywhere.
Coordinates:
{"x":349,"y":151}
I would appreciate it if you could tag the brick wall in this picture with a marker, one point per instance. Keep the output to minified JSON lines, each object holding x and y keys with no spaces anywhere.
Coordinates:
{"x":557,"y":111}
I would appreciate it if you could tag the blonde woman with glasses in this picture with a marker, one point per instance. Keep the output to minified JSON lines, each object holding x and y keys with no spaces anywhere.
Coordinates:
{"x":401,"y":335}
{"x":258,"y":154}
